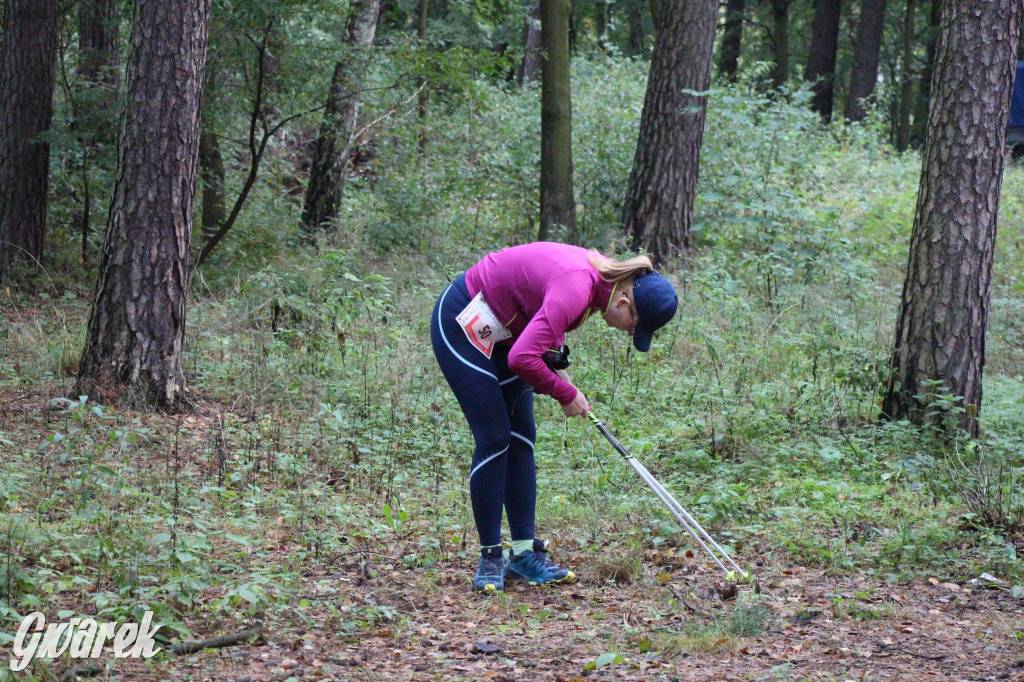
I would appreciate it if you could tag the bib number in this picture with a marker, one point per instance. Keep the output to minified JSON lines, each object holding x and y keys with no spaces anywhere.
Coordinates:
{"x":481,"y":326}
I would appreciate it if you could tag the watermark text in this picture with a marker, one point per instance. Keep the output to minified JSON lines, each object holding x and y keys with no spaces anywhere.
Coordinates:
{"x":81,"y":638}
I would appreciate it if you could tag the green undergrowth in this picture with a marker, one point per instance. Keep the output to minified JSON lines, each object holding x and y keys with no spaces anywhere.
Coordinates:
{"x":323,"y":433}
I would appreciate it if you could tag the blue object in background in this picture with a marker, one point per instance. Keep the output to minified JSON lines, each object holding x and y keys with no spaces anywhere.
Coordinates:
{"x":1017,"y":98}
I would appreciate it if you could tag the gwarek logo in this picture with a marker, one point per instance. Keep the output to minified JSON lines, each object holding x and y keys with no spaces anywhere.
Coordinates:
{"x":82,"y":638}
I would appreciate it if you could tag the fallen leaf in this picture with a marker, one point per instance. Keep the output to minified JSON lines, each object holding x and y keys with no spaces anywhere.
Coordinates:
{"x":485,"y":648}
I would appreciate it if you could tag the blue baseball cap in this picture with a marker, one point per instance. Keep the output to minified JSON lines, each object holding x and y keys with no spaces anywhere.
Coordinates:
{"x":656,"y":304}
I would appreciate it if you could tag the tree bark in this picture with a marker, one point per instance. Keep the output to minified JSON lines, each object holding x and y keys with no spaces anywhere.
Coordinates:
{"x":864,"y":74}
{"x":557,"y":200}
{"x":26,"y":110}
{"x":944,"y":309}
{"x":780,"y":42}
{"x":821,"y":60}
{"x":906,"y":87}
{"x":662,"y":185}
{"x":530,"y":65}
{"x":330,"y":157}
{"x":732,"y":39}
{"x":136,"y":330}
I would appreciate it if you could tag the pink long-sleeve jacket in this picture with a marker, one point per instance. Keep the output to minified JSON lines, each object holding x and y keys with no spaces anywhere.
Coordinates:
{"x":540,"y":291}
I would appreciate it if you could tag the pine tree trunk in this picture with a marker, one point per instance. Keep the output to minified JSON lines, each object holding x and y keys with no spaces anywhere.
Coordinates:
{"x":906,"y":86}
{"x":557,"y":200}
{"x":662,"y":185}
{"x":330,"y":157}
{"x":530,"y":65}
{"x":780,"y":42}
{"x":136,"y":330}
{"x":864,"y":74}
{"x":732,"y":39}
{"x":944,"y":309}
{"x":26,"y":110}
{"x":821,"y":60}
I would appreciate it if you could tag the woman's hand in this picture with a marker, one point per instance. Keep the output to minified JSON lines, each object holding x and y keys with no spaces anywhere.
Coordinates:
{"x":579,"y":407}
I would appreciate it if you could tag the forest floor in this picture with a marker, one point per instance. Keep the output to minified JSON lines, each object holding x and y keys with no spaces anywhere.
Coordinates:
{"x":923,"y":631}
{"x":821,"y":627}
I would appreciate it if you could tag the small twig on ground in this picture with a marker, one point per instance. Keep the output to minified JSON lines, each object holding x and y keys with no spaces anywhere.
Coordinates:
{"x":689,"y":607}
{"x":334,"y":557}
{"x":917,"y":655}
{"x":183,"y":648}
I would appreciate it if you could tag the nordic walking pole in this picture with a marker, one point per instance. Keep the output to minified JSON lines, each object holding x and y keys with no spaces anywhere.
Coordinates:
{"x":676,"y":509}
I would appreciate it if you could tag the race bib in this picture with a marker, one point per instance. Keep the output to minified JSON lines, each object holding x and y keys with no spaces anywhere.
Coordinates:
{"x":481,"y":326}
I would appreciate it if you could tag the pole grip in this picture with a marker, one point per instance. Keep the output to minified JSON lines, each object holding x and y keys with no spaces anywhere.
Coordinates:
{"x":608,"y":434}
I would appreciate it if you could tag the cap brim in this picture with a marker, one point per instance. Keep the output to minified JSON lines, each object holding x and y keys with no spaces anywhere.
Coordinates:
{"x":642,"y":339}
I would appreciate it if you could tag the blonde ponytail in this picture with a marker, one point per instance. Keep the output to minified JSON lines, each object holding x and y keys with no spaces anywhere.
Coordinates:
{"x":617,"y":271}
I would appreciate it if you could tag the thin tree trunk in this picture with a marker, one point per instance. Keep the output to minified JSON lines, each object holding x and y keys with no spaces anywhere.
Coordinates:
{"x":557,"y":200}
{"x":602,"y":9}
{"x":257,"y":143}
{"x":26,"y":110}
{"x":864,"y":74}
{"x":136,"y":332}
{"x":211,"y":174}
{"x":635,"y":17}
{"x":423,"y":105}
{"x":98,"y":42}
{"x":906,"y":87}
{"x":732,"y":39}
{"x":98,"y":66}
{"x":530,"y":66}
{"x":821,"y":60}
{"x":780,"y":42}
{"x":330,"y":157}
{"x":662,"y":185}
{"x":940,"y":333}
{"x":925,"y":78}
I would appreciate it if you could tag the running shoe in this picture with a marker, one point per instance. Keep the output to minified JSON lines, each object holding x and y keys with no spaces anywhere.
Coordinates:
{"x":536,"y":567}
{"x":490,"y":572}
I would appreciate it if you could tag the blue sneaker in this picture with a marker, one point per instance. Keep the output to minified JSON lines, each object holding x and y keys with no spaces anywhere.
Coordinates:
{"x":490,"y":572}
{"x":536,"y":567}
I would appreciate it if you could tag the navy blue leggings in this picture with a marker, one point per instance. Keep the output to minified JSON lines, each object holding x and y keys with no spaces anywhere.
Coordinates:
{"x":499,"y":408}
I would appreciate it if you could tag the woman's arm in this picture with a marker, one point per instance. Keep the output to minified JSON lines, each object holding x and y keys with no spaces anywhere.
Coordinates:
{"x":579,"y":407}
